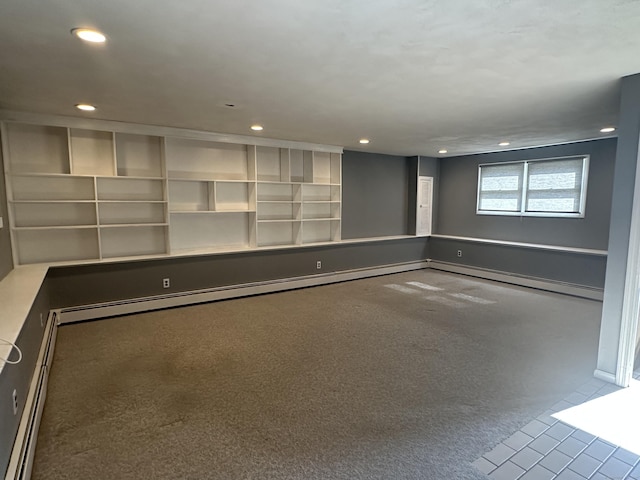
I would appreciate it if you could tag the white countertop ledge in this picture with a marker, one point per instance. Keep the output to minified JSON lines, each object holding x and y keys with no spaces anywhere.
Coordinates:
{"x":18,"y":291}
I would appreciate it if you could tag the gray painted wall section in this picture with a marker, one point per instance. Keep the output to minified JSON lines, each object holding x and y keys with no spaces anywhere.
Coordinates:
{"x":375,"y":195}
{"x":6,"y":259}
{"x":412,"y":194}
{"x":458,"y":183}
{"x":98,"y":283}
{"x":574,"y":268}
{"x":19,"y":376}
{"x":622,"y":203}
{"x":456,"y":216}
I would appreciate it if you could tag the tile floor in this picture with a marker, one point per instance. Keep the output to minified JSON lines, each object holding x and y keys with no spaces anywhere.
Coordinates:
{"x":547,"y":449}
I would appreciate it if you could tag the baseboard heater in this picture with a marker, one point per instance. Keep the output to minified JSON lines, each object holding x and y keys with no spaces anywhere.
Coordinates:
{"x":582,"y":291}
{"x":179,"y":299}
{"x":24,"y":447}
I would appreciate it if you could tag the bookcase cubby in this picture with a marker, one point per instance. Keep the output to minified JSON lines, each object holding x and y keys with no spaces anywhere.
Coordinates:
{"x":91,"y":194}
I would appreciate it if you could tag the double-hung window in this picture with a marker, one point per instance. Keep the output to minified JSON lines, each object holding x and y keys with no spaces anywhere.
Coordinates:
{"x":553,"y":187}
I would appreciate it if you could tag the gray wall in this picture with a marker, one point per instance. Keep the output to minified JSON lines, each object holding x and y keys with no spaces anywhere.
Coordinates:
{"x":89,"y":284}
{"x":458,"y":190}
{"x":456,"y":210}
{"x":19,"y":376}
{"x":575,"y":268}
{"x":375,"y":195}
{"x":6,"y":262}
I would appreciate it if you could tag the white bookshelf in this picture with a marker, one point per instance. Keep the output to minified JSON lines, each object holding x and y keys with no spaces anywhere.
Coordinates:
{"x":298,"y":196}
{"x":92,"y":190}
{"x":212,"y":200}
{"x":67,"y":186}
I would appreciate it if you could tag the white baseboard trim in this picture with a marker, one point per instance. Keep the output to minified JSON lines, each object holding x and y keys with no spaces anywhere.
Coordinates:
{"x":532,"y":282}
{"x":136,"y":305}
{"x":605,"y":376}
{"x":24,"y":447}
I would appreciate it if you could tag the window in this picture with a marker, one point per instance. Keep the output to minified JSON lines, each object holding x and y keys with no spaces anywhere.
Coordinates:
{"x":550,"y":187}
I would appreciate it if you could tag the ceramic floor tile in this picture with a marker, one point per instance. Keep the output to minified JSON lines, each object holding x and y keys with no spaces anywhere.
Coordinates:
{"x":556,"y":461}
{"x":583,"y":436}
{"x":569,"y":475}
{"x":544,"y":444}
{"x":577,"y":398}
{"x":571,"y":446}
{"x":589,"y":389}
{"x":499,"y":454}
{"x":599,"y":476}
{"x":507,"y":471}
{"x":560,"y":431}
{"x":547,"y":418}
{"x":626,"y":456}
{"x":518,"y":440}
{"x":615,"y":468}
{"x":534,"y":428}
{"x":538,"y":473}
{"x":585,"y":465}
{"x":484,"y":465}
{"x":599,"y":450}
{"x":561,"y":405}
{"x":526,"y":458}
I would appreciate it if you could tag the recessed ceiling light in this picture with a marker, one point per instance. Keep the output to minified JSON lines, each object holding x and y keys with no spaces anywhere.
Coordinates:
{"x":364,"y":140}
{"x":442,"y":151}
{"x":257,"y":128}
{"x":607,"y":129}
{"x":85,"y":107}
{"x":89,"y":35}
{"x":503,"y":144}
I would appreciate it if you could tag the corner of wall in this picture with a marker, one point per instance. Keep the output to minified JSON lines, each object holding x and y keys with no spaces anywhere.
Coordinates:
{"x":6,"y":256}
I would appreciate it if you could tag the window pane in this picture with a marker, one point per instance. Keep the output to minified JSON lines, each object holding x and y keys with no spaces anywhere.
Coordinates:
{"x":555,"y":186}
{"x":500,"y":187}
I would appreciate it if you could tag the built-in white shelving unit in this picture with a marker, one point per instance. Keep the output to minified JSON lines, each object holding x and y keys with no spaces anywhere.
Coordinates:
{"x":69,"y":190}
{"x":299,"y":196}
{"x":85,"y":194}
{"x":211,"y":195}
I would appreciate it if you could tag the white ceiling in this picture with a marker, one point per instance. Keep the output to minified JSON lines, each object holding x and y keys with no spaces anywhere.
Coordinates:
{"x":414,"y":76}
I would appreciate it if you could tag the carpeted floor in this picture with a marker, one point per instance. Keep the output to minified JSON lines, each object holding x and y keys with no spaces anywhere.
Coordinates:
{"x":407,"y":376}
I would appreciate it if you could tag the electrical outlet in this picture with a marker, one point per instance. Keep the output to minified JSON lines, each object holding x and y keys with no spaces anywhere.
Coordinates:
{"x":1,"y":222}
{"x":14,"y":398}
{"x":166,"y":283}
{"x":41,"y":320}
{"x":459,"y":253}
{"x":318,"y":265}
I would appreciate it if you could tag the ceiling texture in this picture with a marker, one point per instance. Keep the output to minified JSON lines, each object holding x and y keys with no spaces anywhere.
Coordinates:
{"x":413,"y":76}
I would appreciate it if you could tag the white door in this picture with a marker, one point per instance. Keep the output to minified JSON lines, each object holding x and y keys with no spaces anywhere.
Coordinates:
{"x":425,"y":204}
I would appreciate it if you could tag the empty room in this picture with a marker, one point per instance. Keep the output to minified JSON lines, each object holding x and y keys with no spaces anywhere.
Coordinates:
{"x":320,"y":240}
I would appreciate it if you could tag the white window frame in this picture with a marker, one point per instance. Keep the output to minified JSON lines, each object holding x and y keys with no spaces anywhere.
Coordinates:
{"x":525,"y":185}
